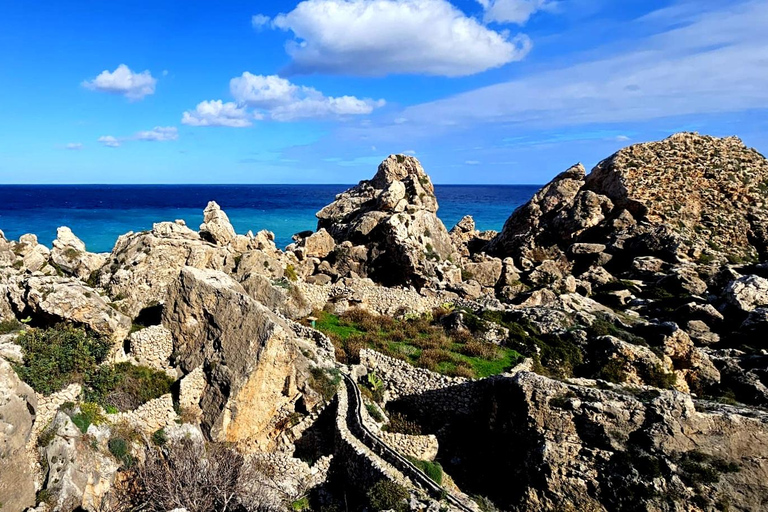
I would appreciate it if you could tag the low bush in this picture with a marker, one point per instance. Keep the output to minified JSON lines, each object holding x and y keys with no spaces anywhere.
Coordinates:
{"x":8,"y":326}
{"x":59,"y":356}
{"x":90,"y":414}
{"x":374,"y":412}
{"x":432,"y":469}
{"x":387,"y":495}
{"x":659,"y":378}
{"x":159,"y":437}
{"x":120,"y":449}
{"x":126,"y":386}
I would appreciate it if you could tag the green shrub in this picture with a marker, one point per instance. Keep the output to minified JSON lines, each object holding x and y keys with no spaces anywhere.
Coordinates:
{"x":90,"y":414}
{"x":159,"y":437}
{"x":387,"y":495}
{"x":126,"y":386}
{"x":432,"y":469}
{"x":121,"y":451}
{"x":8,"y":326}
{"x":300,"y":504}
{"x":374,"y":412}
{"x":59,"y":356}
{"x":290,"y":273}
{"x":613,"y":371}
{"x":658,"y":378}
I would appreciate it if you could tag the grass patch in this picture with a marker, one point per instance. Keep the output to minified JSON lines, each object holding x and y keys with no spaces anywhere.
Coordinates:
{"x":420,"y":341}
{"x":400,"y":424}
{"x":374,"y":412}
{"x":325,"y":382}
{"x":387,"y":495}
{"x":432,"y":469}
{"x":300,"y":504}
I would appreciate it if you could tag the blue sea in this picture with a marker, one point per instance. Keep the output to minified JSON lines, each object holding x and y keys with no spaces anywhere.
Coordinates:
{"x":98,"y":214}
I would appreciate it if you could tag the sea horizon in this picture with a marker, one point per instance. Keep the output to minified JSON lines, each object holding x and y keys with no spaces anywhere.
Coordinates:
{"x":100,"y":213}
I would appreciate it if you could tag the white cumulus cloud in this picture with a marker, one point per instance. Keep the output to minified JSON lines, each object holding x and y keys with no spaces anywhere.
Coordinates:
{"x":134,"y":86}
{"x":217,"y":113}
{"x":282,"y":100}
{"x":159,"y":134}
{"x":380,"y":37}
{"x":514,"y":11}
{"x":109,"y":141}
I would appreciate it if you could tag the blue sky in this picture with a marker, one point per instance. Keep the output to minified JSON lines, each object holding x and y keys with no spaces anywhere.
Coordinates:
{"x":320,"y":91}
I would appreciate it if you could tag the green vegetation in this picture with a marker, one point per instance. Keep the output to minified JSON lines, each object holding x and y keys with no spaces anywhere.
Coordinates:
{"x":159,"y":437}
{"x":8,"y":326}
{"x":697,"y":468}
{"x":386,"y":495}
{"x":432,"y":469}
{"x":300,"y":504}
{"x":56,"y":357}
{"x":62,"y":355}
{"x":90,"y":414}
{"x":374,"y":412}
{"x":290,"y":273}
{"x":420,"y":341}
{"x":325,"y":381}
{"x":119,"y":448}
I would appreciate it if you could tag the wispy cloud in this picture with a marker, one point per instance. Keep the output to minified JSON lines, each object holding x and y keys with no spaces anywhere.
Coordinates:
{"x":109,"y":141}
{"x":123,"y":81}
{"x":74,"y":146}
{"x":380,"y":37}
{"x":159,"y":134}
{"x":259,"y":21}
{"x":514,"y":11}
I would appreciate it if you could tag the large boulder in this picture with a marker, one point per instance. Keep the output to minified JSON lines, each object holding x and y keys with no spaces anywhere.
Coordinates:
{"x":251,"y":358}
{"x":748,"y":292}
{"x":69,"y":255}
{"x":394,"y":216}
{"x":17,"y":414}
{"x":59,"y":299}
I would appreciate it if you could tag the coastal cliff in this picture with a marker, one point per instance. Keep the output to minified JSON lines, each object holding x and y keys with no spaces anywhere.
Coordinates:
{"x":604,"y":351}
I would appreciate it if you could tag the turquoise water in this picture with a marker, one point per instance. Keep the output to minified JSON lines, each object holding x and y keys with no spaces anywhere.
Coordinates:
{"x":98,"y":214}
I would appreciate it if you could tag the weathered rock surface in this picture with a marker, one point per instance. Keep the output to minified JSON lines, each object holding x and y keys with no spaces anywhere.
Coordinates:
{"x":17,"y":414}
{"x":250,"y":357}
{"x":216,"y":227}
{"x":67,"y":299}
{"x":394,"y":216}
{"x":69,"y":255}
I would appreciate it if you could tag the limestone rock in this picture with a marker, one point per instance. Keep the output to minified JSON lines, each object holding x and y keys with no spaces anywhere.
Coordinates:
{"x":67,"y":299}
{"x":142,"y":265}
{"x":748,"y":292}
{"x":319,"y":244}
{"x":394,"y":217}
{"x":78,"y":476}
{"x":70,"y":255}
{"x":216,"y":227}
{"x":17,"y":414}
{"x":250,"y":357}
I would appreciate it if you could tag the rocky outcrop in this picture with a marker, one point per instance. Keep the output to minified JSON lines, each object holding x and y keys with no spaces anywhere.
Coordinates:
{"x":17,"y":414}
{"x":251,"y":359}
{"x":79,"y":475}
{"x":142,"y":265}
{"x":394,"y":216}
{"x":216,"y":227}
{"x":62,"y":299}
{"x":70,"y":256}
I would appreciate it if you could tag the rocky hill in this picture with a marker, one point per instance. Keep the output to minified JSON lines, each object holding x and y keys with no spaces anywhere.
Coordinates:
{"x":604,"y":351}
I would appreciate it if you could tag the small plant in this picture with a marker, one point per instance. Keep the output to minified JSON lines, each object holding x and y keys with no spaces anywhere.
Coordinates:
{"x":290,"y":273}
{"x":159,"y":437}
{"x":374,"y":412}
{"x":300,"y":504}
{"x":400,"y":424}
{"x":325,"y":382}
{"x":387,"y":495}
{"x":90,"y":414}
{"x":119,"y":448}
{"x":432,"y":469}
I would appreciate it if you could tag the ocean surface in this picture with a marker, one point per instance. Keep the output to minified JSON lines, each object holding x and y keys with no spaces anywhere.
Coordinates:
{"x":98,"y":214}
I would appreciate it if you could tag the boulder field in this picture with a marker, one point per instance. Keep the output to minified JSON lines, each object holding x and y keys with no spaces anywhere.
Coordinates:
{"x":636,"y":295}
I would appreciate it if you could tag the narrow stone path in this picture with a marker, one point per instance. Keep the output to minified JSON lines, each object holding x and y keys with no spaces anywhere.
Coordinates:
{"x":380,"y":448}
